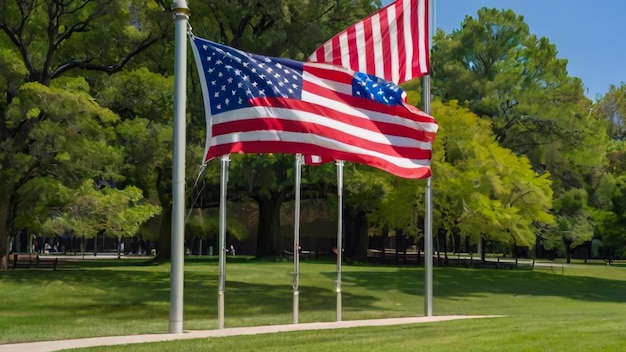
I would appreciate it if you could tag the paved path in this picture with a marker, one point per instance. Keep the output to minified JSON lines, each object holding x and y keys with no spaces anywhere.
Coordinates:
{"x":45,"y":346}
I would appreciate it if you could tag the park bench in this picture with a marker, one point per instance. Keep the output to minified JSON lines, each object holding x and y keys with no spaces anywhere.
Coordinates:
{"x":28,"y":261}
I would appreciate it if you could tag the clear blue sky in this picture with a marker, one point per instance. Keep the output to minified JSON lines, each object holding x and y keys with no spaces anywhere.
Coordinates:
{"x":591,"y":35}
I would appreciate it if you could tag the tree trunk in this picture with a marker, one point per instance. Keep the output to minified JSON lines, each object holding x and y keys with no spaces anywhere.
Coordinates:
{"x":568,"y":251}
{"x":5,"y":225}
{"x":269,"y":238}
{"x":385,"y":236}
{"x":356,"y":227}
{"x":482,"y":248}
{"x":164,"y":246}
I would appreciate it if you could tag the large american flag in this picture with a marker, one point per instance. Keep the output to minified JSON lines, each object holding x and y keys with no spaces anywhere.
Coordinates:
{"x":392,"y":43}
{"x":259,"y":104}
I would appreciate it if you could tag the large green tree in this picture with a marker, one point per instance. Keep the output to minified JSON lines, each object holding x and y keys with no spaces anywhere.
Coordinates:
{"x":50,"y":124}
{"x":514,"y":79}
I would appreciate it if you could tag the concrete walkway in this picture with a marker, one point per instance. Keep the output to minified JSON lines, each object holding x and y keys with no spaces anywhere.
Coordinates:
{"x":44,"y":346}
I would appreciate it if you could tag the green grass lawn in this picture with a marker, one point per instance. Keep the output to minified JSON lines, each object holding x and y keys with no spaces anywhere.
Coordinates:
{"x":578,"y":308}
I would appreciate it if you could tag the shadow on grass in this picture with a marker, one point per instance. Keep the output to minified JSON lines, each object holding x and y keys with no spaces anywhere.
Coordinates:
{"x":460,"y":282}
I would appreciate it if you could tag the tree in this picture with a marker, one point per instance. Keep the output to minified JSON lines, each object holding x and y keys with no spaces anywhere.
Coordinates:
{"x":612,"y":109}
{"x":573,"y":219}
{"x":515,"y":80}
{"x":50,"y":125}
{"x":91,"y":209}
{"x":482,"y":189}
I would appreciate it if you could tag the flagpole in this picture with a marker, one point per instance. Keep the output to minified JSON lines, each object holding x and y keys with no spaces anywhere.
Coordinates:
{"x":296,"y":240}
{"x":181,"y":17}
{"x":222,"y":242}
{"x":339,"y":233}
{"x":428,"y":216}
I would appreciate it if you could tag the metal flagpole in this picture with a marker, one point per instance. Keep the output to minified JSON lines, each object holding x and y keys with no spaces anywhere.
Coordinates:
{"x":296,"y":241}
{"x":222,"y":242}
{"x":339,"y":233}
{"x":428,"y":217}
{"x":181,"y":17}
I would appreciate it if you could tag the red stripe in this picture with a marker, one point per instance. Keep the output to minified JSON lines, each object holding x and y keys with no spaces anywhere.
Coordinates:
{"x":320,"y":54}
{"x":330,"y":74}
{"x":336,"y":51}
{"x":368,"y":51}
{"x":311,"y":149}
{"x":414,"y":30}
{"x":400,"y":23}
{"x":386,"y":44}
{"x":353,"y":51}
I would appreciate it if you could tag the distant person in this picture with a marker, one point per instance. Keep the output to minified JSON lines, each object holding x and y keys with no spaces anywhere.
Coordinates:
{"x":232,"y":249}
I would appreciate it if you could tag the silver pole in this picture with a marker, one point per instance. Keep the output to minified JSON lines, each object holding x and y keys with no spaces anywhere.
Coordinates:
{"x":428,"y":217}
{"x":222,"y":242}
{"x":296,"y":241}
{"x":339,"y":233}
{"x":181,"y":17}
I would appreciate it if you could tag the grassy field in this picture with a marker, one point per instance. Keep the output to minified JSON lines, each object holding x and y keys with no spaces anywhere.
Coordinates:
{"x":571,"y":308}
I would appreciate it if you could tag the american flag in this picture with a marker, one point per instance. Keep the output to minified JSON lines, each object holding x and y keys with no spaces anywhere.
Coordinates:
{"x":392,"y":43}
{"x":259,"y":104}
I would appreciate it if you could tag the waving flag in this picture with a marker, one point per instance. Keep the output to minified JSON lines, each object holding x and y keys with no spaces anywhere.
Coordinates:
{"x":258,"y":104}
{"x":392,"y":43}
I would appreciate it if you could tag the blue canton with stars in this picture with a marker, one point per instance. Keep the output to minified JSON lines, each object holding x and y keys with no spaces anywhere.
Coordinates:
{"x":234,"y":77}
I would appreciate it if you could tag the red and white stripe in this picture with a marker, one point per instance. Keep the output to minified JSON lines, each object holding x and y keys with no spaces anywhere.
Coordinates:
{"x":392,"y":43}
{"x":330,"y":122}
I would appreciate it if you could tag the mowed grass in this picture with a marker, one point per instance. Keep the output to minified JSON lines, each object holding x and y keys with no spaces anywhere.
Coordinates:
{"x":577,"y":308}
